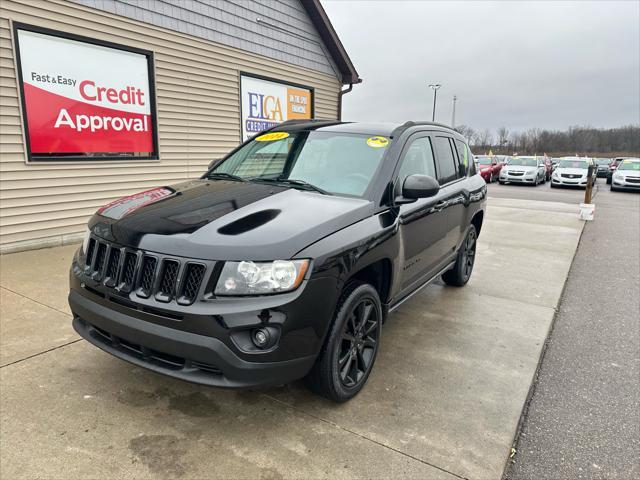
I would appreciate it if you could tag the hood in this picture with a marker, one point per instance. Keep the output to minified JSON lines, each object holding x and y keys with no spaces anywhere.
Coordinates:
{"x":229,"y":220}
{"x":572,"y":171}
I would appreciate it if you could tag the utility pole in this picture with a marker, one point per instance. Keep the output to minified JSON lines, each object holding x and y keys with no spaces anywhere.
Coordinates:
{"x":453,"y":114}
{"x":434,"y":87}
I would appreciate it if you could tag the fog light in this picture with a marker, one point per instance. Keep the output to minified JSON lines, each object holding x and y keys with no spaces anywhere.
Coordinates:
{"x":261,"y":337}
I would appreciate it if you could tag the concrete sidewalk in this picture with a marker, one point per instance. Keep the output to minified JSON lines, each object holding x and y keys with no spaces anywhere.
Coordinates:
{"x":584,"y":417}
{"x":443,"y":401}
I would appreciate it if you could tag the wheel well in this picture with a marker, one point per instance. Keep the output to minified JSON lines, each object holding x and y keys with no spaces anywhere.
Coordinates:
{"x":477,"y":221}
{"x":377,"y":274}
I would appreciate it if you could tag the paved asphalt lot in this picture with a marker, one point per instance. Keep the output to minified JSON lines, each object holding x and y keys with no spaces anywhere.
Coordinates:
{"x":584,"y":416}
{"x":443,"y":401}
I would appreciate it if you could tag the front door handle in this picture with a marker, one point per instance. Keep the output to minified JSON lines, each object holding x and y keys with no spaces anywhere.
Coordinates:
{"x":438,"y":207}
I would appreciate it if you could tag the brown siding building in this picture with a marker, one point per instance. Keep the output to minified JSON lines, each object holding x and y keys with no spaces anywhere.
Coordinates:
{"x":200,"y":49}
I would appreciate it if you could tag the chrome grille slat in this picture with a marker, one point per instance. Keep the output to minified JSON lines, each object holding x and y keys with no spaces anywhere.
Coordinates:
{"x":113,"y":266}
{"x":193,"y":276}
{"x":98,"y":264}
{"x":147,"y":276}
{"x":168,"y":278}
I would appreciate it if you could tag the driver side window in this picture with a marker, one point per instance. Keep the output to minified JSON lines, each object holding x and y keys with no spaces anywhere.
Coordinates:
{"x":417,"y":159}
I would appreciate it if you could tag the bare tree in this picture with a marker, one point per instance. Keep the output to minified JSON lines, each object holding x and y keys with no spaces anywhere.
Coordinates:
{"x":466,"y":132}
{"x":503,"y":137}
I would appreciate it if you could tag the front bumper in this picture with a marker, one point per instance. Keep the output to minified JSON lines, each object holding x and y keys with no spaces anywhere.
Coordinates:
{"x":184,"y":355}
{"x":506,"y":178}
{"x":625,"y":184}
{"x":569,"y":182}
{"x":209,"y":341}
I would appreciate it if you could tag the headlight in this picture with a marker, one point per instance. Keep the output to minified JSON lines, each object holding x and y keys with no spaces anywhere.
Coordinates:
{"x":618,"y":176}
{"x":258,"y":278}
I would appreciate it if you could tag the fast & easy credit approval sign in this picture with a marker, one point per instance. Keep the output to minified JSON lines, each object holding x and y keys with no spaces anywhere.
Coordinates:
{"x":84,"y":100}
{"x":265,"y":103}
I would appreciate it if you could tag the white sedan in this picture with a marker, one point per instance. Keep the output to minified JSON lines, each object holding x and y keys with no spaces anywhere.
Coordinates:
{"x":573,"y":171}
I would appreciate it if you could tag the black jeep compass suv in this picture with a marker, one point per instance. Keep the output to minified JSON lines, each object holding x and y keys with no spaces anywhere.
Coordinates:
{"x":283,"y":260}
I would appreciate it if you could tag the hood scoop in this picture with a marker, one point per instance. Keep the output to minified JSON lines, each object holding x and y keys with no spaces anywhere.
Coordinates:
{"x":249,"y":222}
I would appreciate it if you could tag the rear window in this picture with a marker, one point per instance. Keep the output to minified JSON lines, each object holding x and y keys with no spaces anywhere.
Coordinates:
{"x":464,"y":158}
{"x":445,"y":159}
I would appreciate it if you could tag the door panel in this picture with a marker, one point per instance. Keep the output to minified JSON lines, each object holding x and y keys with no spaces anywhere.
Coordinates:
{"x":422,"y":224}
{"x":455,"y":197}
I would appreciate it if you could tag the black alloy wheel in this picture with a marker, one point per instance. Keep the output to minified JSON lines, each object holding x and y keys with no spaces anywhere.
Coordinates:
{"x":347,"y":357}
{"x":461,"y":272}
{"x":359,"y":342}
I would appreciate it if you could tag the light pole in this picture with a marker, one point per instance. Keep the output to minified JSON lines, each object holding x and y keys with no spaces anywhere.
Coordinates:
{"x":434,"y":87}
{"x":453,"y":113}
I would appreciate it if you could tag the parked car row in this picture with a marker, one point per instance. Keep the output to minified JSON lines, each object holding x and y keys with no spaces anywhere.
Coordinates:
{"x":623,"y":173}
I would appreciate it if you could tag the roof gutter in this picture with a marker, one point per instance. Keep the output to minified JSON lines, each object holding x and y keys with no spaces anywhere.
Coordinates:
{"x":342,"y":92}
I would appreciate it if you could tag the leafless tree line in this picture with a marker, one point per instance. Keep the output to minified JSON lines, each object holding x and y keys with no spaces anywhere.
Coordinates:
{"x":579,"y":140}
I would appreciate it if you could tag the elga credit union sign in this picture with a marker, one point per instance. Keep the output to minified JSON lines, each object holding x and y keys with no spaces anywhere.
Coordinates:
{"x":265,"y":103}
{"x":83,"y":100}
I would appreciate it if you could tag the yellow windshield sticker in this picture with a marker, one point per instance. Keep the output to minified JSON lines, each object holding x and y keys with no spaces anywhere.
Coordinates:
{"x":377,"y":142}
{"x":272,"y":137}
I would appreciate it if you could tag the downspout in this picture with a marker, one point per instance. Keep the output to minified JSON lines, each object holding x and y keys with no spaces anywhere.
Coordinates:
{"x":342,"y":92}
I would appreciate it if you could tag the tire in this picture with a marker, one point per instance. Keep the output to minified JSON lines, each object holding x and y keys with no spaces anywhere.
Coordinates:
{"x":608,"y":181}
{"x":553,"y":185}
{"x":461,"y":272}
{"x":613,"y":189}
{"x":500,"y":182}
{"x":347,"y":357}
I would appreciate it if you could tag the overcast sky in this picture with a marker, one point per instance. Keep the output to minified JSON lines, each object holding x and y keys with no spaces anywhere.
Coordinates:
{"x":517,"y":64}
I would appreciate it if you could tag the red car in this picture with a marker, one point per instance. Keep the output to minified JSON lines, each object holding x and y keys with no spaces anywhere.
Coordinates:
{"x":489,"y":167}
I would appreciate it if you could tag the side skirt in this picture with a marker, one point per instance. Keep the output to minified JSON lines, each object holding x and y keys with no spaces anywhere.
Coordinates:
{"x":395,"y":305}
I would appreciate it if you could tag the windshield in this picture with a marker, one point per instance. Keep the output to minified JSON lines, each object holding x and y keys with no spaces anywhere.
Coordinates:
{"x":627,"y":165}
{"x":484,"y":160}
{"x":524,"y":161}
{"x":337,"y":163}
{"x":603,"y":161}
{"x":573,"y":164}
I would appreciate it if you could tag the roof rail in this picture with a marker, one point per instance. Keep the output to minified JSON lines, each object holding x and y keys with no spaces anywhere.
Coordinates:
{"x":412,"y":123}
{"x":299,"y":121}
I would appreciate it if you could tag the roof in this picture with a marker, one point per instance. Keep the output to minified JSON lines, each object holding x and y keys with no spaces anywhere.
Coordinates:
{"x":388,"y":129}
{"x":331,"y":40}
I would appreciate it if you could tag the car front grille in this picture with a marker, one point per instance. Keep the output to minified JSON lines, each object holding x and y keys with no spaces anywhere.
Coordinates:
{"x":149,"y":275}
{"x":516,"y":174}
{"x":570,"y":175}
{"x":633,"y":180}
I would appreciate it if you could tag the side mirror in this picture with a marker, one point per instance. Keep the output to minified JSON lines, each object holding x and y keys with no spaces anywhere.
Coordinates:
{"x":418,"y":186}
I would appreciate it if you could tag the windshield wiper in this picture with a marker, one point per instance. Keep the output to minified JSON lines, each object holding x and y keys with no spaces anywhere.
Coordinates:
{"x":224,"y":175}
{"x":293,"y":182}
